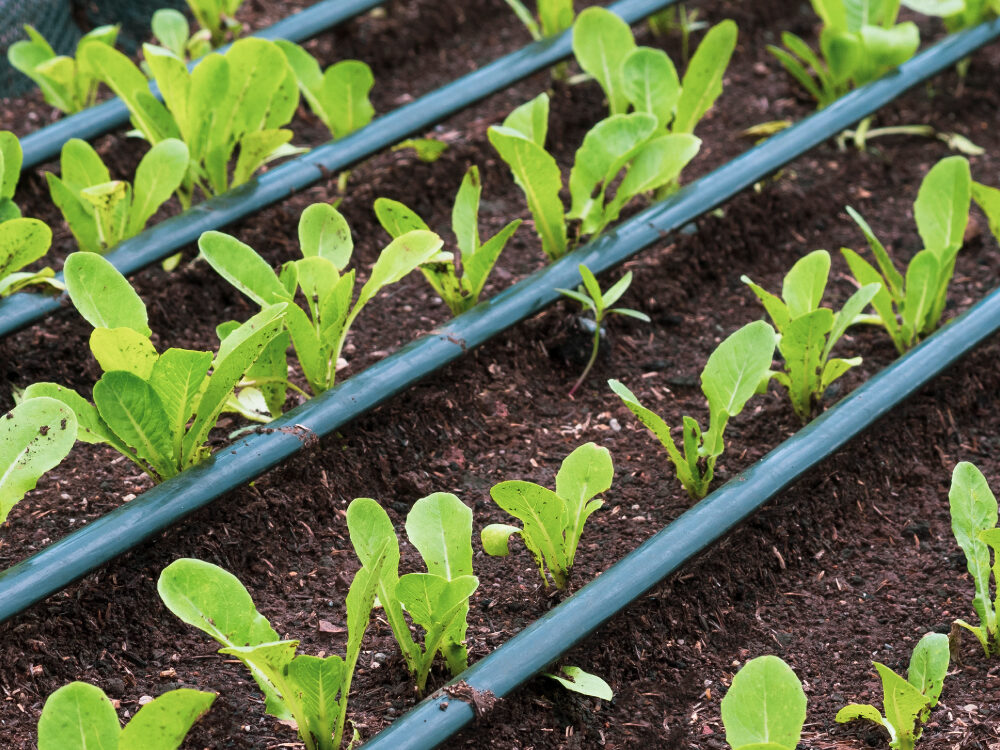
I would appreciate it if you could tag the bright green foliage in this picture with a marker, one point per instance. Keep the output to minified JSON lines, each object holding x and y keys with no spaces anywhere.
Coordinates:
{"x":337,"y":96}
{"x":23,"y":241}
{"x":553,"y":521}
{"x":972,"y":13}
{"x":440,"y":527}
{"x":644,"y":79}
{"x":809,"y":332}
{"x":459,"y":289}
{"x":155,"y":409}
{"x":217,"y":17}
{"x":319,"y":329}
{"x":907,"y":703}
{"x":735,"y":371}
{"x":859,"y":43}
{"x":310,"y":690}
{"x":910,"y":307}
{"x":237,"y":101}
{"x":988,"y":199}
{"x":765,"y":706}
{"x":34,"y":437}
{"x":974,"y":523}
{"x":79,"y":716}
{"x":67,"y":84}
{"x":170,"y":27}
{"x":11,"y":158}
{"x":427,"y":149}
{"x":632,"y":147}
{"x":589,"y":295}
{"x":102,"y":212}
{"x":554,"y":17}
{"x":575,"y":679}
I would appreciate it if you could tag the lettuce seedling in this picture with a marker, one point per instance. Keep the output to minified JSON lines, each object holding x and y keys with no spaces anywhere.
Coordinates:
{"x":339,"y":95}
{"x":23,"y":241}
{"x":592,"y":298}
{"x":910,"y":308}
{"x":171,"y":29}
{"x":217,"y":17}
{"x":735,"y":371}
{"x":320,"y":328}
{"x":68,"y":84}
{"x":440,"y":527}
{"x":809,"y":332}
{"x":554,"y":17}
{"x":11,"y":158}
{"x":460,"y":289}
{"x":102,"y":212}
{"x":907,"y":703}
{"x":35,"y":436}
{"x":765,"y":707}
{"x":79,"y":716}
{"x":677,"y":18}
{"x":974,"y":523}
{"x":575,"y":679}
{"x":631,"y":147}
{"x":233,"y":102}
{"x":553,"y":521}
{"x":310,"y":690}
{"x":155,"y":409}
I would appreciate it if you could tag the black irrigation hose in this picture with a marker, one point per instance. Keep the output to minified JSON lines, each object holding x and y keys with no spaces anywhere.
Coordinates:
{"x":169,"y":236}
{"x":45,"y":143}
{"x":72,"y":557}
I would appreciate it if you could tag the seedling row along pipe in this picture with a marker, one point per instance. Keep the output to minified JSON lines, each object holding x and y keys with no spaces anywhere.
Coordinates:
{"x":45,"y":143}
{"x":169,"y":236}
{"x":74,"y":556}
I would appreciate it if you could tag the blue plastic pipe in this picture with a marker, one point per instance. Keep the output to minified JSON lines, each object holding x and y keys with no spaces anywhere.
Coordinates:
{"x":169,"y":236}
{"x":72,"y":557}
{"x":45,"y":143}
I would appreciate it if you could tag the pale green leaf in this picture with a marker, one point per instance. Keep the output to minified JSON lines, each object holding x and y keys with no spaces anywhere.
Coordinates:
{"x":102,"y":295}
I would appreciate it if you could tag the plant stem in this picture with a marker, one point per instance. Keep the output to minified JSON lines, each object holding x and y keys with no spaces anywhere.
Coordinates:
{"x":593,"y":358}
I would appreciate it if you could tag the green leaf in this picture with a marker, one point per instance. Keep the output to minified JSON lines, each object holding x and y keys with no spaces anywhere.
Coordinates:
{"x":77,"y":213}
{"x":555,"y":15}
{"x":317,"y":683}
{"x":538,"y":176}
{"x":866,"y":274}
{"x":346,"y":87}
{"x":774,"y":305}
{"x":78,"y":716}
{"x":178,"y":377}
{"x":531,"y":120}
{"x":134,"y":413}
{"x":543,"y":514}
{"x":34,"y":437}
{"x":929,"y":665}
{"x":578,"y":681}
{"x":737,"y":366}
{"x":90,"y":427}
{"x":158,"y":175}
{"x":658,"y":163}
{"x":81,"y":166}
{"x":163,"y":723}
{"x":942,"y":206}
{"x":102,"y":295}
{"x":859,"y":711}
{"x":323,"y":232}
{"x":601,"y":43}
{"x":257,"y":148}
{"x":805,"y":283}
{"x":11,"y":159}
{"x":465,"y":214}
{"x":921,"y":290}
{"x":974,"y":510}
{"x":241,"y":266}
{"x":764,"y":704}
{"x":431,"y":600}
{"x":988,"y":199}
{"x":585,"y":473}
{"x":440,"y":527}
{"x":111,"y":202}
{"x":170,"y":27}
{"x":702,"y":82}
{"x":427,"y":149}
{"x":892,"y":276}
{"x":22,"y":241}
{"x":903,"y":703}
{"x":402,"y":256}
{"x":309,"y":76}
{"x":651,"y":83}
{"x":496,"y":538}
{"x":123,"y":349}
{"x":396,"y":218}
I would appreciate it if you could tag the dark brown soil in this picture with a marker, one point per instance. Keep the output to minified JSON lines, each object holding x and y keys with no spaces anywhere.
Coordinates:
{"x":853,"y":563}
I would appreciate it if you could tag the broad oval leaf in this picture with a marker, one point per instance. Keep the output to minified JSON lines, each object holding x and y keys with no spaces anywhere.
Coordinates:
{"x":735,"y":369}
{"x":402,"y":256}
{"x":22,"y":241}
{"x":158,"y":175}
{"x":929,"y":665}
{"x":323,"y":231}
{"x":765,"y":704}
{"x":601,"y":43}
{"x":396,"y":218}
{"x":123,"y":349}
{"x":78,"y":716}
{"x":241,"y":266}
{"x":651,"y":83}
{"x":578,"y":681}
{"x":974,"y":510}
{"x":102,"y":295}
{"x":163,"y":723}
{"x":440,"y":527}
{"x":941,"y":209}
{"x":132,"y":410}
{"x":804,"y":284}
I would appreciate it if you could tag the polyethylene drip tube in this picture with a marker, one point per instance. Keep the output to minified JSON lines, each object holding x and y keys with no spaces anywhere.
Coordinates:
{"x":84,"y":550}
{"x":166,"y":238}
{"x":45,"y":143}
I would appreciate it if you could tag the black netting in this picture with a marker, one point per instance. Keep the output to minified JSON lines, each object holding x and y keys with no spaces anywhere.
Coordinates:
{"x":51,"y":17}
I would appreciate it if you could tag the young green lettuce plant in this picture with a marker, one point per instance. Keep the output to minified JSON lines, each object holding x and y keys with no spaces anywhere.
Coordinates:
{"x":765,"y":707}
{"x":809,"y":332}
{"x":458,"y":287}
{"x":738,"y":368}
{"x":217,"y":17}
{"x":339,"y":96}
{"x":974,"y":523}
{"x":309,"y":690}
{"x":102,"y":212}
{"x":34,"y":437}
{"x":554,"y":17}
{"x":233,"y":102}
{"x":171,"y":29}
{"x":907,"y":703}
{"x":910,"y":307}
{"x":68,"y":84}
{"x":677,"y":18}
{"x":319,"y":329}
{"x":23,"y":241}
{"x":553,"y":521}
{"x":79,"y":716}
{"x":599,"y":303}
{"x":440,"y":527}
{"x":155,"y":409}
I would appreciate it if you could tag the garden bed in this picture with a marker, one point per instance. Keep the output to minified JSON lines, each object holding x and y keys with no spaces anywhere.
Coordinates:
{"x":502,"y":413}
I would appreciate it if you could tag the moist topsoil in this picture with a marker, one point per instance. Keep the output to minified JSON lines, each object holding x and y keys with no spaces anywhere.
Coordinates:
{"x":852,"y":564}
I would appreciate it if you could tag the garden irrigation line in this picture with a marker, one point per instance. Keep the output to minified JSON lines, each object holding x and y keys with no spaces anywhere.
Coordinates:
{"x":155,"y":510}
{"x":166,"y":238}
{"x":45,"y":143}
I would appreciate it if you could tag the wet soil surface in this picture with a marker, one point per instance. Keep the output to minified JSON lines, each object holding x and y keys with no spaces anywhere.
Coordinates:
{"x":853,"y":563}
